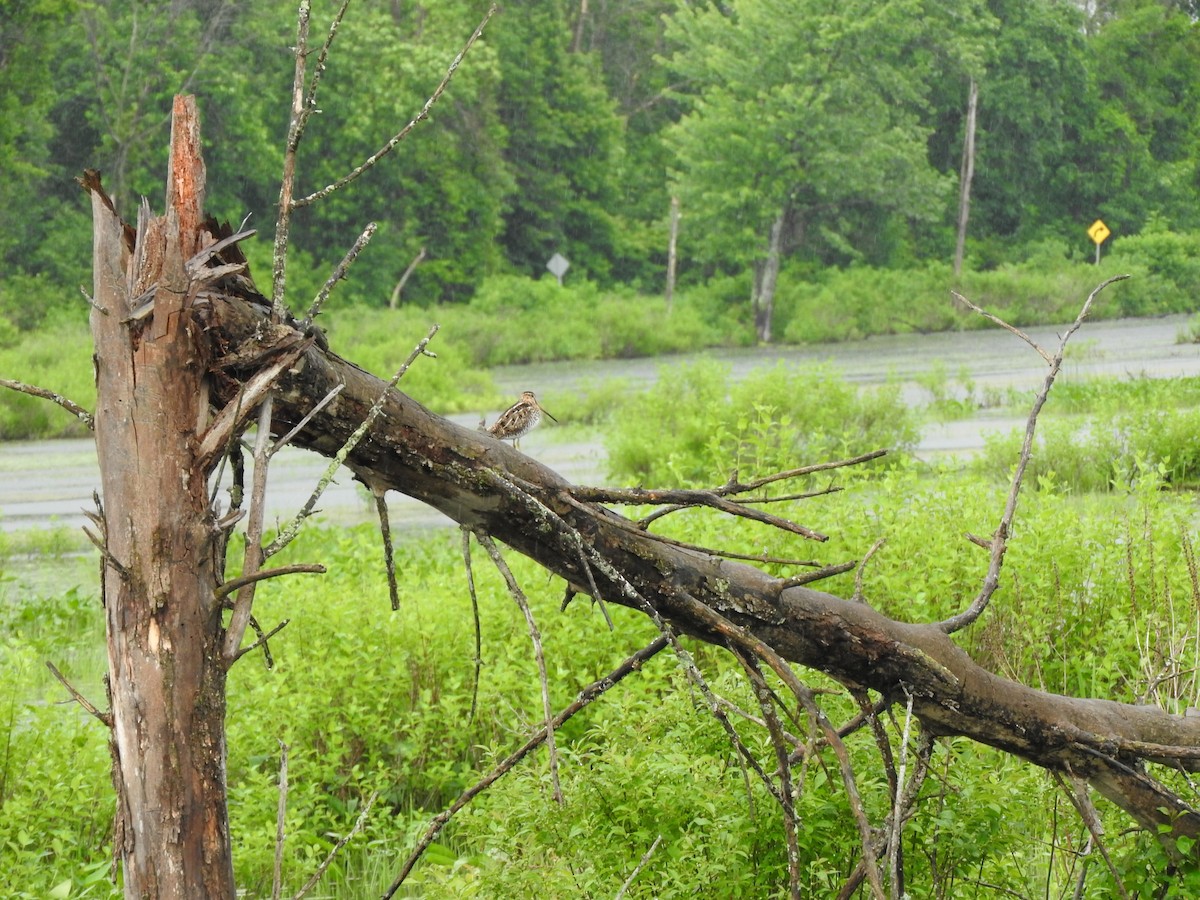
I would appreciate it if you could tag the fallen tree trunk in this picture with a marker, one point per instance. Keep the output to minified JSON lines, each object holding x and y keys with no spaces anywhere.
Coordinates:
{"x":484,"y":484}
{"x":188,"y":351}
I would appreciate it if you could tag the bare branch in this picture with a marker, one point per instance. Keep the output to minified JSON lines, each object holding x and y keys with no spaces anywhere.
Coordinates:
{"x":1078,"y":795}
{"x":337,"y":848}
{"x":631,"y":664}
{"x":712,"y":499}
{"x":638,"y":868}
{"x":263,"y":637}
{"x":466,"y":552}
{"x":280,"y":822}
{"x":241,"y":581}
{"x":755,"y":645}
{"x":895,"y":870}
{"x":403,"y":133}
{"x":389,"y":558}
{"x":69,"y":405}
{"x":862,"y":566}
{"x":822,"y":573}
{"x":999,"y":544}
{"x":791,"y":823}
{"x":100,"y":544}
{"x":338,"y":273}
{"x":535,"y":636}
{"x":288,"y":180}
{"x":254,"y":557}
{"x":310,"y":99}
{"x":324,"y":401}
{"x":91,"y":301}
{"x":88,"y":706}
{"x":998,"y":321}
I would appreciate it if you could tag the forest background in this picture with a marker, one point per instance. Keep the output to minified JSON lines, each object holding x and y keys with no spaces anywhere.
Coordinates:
{"x":837,"y":129}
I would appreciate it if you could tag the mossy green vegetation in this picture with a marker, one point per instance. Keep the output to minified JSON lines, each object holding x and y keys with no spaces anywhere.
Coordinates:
{"x":1098,"y":598}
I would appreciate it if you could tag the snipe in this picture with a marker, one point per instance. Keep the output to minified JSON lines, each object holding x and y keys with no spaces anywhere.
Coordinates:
{"x":519,"y":419}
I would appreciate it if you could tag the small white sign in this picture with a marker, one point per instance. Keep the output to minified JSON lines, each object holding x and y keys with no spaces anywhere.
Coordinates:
{"x":558,"y":266}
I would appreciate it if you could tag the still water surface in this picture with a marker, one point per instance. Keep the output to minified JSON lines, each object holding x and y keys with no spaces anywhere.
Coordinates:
{"x":43,"y":483}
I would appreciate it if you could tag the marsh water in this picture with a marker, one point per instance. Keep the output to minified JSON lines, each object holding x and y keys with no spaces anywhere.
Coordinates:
{"x":47,"y":483}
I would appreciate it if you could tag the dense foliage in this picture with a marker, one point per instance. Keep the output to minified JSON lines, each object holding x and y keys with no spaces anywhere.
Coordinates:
{"x":571,"y":125}
{"x":1098,"y":599}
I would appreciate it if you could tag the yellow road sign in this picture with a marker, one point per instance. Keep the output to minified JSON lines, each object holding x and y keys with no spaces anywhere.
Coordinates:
{"x":1098,"y":232}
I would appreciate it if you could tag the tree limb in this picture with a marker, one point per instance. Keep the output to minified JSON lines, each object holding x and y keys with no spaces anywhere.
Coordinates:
{"x":484,"y":484}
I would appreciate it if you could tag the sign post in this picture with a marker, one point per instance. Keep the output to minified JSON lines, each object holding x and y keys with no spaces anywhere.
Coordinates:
{"x":1098,"y":232}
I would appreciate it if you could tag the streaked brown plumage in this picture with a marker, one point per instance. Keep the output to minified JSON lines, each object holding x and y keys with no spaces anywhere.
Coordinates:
{"x":519,"y":419}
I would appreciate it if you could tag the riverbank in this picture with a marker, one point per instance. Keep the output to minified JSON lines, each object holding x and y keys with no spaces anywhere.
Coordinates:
{"x":44,"y":484}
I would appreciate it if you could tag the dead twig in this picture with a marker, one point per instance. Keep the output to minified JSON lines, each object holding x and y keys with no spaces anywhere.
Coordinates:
{"x":1077,"y":793}
{"x":325,"y":401}
{"x":287,"y":181}
{"x":535,"y":637}
{"x":466,"y":552}
{"x":750,"y":643}
{"x":638,"y":868}
{"x":809,"y":577}
{"x":339,"y":272}
{"x":895,"y":866}
{"x":42,"y":393}
{"x":631,"y":664}
{"x":858,"y":597}
{"x":263,"y":637}
{"x":280,"y":822}
{"x":996,"y":320}
{"x":791,"y":824}
{"x":337,"y":848}
{"x":253,"y":559}
{"x":88,"y":706}
{"x":403,"y":133}
{"x":999,"y":542}
{"x":241,"y":581}
{"x":389,"y":557}
{"x":733,"y":486}
{"x":684,"y":498}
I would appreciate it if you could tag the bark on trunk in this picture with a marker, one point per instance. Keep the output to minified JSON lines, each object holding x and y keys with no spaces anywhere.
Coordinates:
{"x":166,"y":675}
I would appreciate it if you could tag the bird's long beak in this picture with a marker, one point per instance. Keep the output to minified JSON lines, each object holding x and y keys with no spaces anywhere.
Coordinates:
{"x":546,"y":412}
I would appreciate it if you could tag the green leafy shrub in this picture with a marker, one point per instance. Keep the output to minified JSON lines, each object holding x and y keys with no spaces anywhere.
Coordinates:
{"x":1104,"y":451}
{"x":1167,"y":268}
{"x":693,"y":426}
{"x":518,"y":320}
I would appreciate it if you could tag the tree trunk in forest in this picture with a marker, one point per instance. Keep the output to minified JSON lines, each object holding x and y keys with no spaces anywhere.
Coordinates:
{"x":672,"y":245}
{"x":165,"y":670}
{"x":766,"y":276}
{"x":965,"y":176}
